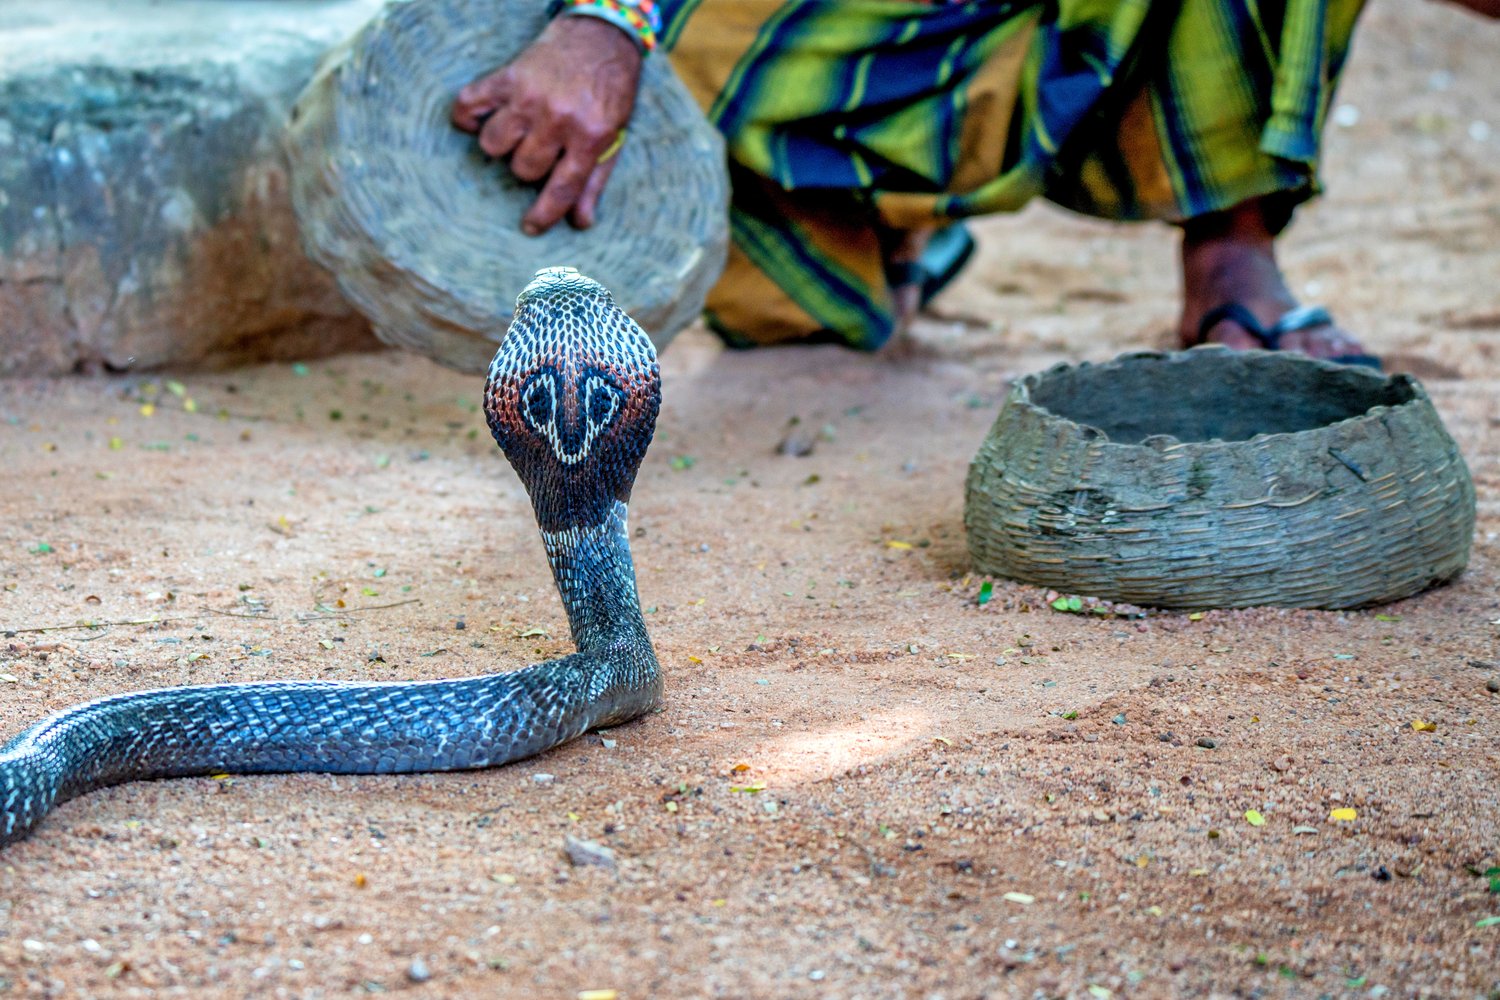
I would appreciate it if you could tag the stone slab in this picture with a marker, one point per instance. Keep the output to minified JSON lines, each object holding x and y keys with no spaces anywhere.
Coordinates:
{"x":145,"y":218}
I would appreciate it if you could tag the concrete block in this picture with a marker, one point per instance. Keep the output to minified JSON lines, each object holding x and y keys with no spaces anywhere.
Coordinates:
{"x":144,"y":210}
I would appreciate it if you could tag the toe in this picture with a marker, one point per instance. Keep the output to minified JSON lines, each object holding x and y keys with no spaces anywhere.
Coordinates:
{"x":1326,"y":341}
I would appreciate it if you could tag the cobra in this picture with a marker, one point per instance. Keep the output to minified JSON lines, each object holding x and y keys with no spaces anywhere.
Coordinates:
{"x":571,"y":399}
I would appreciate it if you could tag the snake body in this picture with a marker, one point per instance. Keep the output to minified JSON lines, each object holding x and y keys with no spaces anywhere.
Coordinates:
{"x":571,"y":398}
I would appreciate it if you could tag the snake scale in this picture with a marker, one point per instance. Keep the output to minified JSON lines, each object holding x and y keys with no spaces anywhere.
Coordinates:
{"x":571,"y":398}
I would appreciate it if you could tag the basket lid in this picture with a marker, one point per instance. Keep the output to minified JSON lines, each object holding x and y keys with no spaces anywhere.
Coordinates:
{"x":422,"y":230}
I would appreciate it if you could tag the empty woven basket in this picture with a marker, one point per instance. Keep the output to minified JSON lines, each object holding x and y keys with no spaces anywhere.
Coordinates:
{"x":1211,"y":478}
{"x":422,"y":230}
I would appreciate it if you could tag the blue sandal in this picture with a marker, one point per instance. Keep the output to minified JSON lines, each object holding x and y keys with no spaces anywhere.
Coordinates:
{"x":1300,"y":318}
{"x":944,"y":256}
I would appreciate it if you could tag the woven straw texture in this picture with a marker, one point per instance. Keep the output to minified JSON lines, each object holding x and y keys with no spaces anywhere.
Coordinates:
{"x":1209,"y":478}
{"x":422,"y":230}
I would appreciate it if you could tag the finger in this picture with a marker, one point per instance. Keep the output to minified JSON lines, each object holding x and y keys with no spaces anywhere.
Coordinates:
{"x":536,"y":154}
{"x":502,"y":132}
{"x":480,"y":99}
{"x":586,"y":211}
{"x":567,"y":182}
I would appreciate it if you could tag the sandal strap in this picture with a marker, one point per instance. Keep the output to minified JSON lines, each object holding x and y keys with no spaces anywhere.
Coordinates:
{"x":947,"y":252}
{"x":1237,"y":314}
{"x":1302,"y":318}
{"x":1269,"y":337}
{"x":900,"y":273}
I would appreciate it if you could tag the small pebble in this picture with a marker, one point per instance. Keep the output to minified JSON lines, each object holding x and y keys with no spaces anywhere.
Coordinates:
{"x":797,"y":444}
{"x":1492,"y":685}
{"x":1282,"y":763}
{"x":587,"y":852}
{"x":418,"y":972}
{"x":1205,"y":743}
{"x":542,"y":778}
{"x":1119,"y":720}
{"x":1381,"y":874}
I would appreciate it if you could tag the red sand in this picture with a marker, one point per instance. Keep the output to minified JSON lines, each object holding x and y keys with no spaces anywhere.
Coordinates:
{"x":933,"y":821}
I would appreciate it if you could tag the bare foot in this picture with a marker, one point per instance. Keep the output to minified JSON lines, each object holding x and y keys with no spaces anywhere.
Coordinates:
{"x":1231,"y":257}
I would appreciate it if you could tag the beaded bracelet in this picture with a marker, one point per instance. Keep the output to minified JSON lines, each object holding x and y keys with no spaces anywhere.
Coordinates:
{"x":640,"y":19}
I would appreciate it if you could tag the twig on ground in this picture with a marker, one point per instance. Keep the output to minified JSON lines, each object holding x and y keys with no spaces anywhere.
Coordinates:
{"x":59,"y":628}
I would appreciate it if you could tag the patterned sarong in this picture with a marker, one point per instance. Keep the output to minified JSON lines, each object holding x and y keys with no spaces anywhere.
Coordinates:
{"x":849,"y":119}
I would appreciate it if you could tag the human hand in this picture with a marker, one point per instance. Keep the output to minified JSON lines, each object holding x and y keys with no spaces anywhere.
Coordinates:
{"x":556,"y":110}
{"x":1489,"y":8}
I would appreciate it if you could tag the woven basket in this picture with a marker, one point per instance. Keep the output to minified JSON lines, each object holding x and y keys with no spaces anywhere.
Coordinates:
{"x":422,"y":230}
{"x":1210,"y":478}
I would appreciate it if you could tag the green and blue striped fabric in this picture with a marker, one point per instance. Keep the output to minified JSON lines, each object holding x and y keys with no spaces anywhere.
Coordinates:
{"x":903,"y":114}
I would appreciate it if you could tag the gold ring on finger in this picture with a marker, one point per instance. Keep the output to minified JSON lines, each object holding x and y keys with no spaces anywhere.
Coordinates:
{"x":614,"y":147}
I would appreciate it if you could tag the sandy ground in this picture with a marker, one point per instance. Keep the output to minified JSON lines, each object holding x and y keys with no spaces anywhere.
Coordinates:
{"x":937,"y":799}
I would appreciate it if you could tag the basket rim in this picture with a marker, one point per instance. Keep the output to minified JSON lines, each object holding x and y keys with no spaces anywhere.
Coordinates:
{"x":1021,"y":391}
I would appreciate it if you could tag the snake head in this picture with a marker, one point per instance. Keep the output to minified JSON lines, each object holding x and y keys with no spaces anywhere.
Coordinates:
{"x":572,"y":398}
